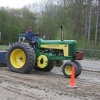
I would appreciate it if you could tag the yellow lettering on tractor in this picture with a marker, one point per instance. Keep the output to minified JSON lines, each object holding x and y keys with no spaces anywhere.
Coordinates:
{"x":63,"y":47}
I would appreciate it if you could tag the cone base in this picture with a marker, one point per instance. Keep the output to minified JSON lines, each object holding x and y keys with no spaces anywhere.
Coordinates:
{"x":72,"y":86}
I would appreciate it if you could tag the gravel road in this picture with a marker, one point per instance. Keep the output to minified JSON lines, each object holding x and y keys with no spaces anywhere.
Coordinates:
{"x":91,"y":64}
{"x":51,"y":85}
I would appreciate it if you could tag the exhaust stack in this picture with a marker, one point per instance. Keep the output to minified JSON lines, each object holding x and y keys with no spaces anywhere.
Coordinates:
{"x":62,"y":34}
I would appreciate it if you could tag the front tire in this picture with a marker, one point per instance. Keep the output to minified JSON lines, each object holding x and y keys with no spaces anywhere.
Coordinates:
{"x":79,"y":68}
{"x":21,"y":58}
{"x":67,"y":69}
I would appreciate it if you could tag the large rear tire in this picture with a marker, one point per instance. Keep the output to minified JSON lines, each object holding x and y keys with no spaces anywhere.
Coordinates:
{"x":21,"y":58}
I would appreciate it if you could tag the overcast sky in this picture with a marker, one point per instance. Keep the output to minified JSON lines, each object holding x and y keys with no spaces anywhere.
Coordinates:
{"x":17,"y":3}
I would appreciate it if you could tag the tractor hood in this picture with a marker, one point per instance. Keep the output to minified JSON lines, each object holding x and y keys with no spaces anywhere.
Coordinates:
{"x":41,"y":41}
{"x":68,"y":46}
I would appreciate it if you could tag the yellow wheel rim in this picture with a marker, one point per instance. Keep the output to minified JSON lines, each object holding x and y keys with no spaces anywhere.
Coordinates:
{"x":18,"y":58}
{"x":68,"y":70}
{"x":42,"y":61}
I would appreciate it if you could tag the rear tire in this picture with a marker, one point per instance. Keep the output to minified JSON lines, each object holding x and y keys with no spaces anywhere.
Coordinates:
{"x":21,"y":58}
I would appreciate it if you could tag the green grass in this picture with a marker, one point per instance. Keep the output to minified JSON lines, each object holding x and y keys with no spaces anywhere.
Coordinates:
{"x":4,"y":47}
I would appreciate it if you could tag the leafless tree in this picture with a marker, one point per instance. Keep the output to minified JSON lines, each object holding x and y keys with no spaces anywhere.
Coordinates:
{"x":97,"y":24}
{"x":90,"y":17}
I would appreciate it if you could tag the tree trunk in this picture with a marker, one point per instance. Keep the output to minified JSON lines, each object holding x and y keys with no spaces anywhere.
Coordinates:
{"x":90,"y":16}
{"x":86,"y":23}
{"x":97,"y":24}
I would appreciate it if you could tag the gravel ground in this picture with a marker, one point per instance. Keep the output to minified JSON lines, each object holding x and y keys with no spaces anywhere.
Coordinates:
{"x":51,"y":85}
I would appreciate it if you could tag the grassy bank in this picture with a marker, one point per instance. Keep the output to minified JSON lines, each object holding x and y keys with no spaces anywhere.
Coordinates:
{"x":4,"y":47}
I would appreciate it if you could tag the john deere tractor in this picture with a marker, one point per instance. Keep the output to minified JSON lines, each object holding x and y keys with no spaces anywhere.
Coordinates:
{"x":22,"y":57}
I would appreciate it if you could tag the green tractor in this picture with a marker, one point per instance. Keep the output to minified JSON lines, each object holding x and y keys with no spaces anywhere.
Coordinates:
{"x":22,"y":58}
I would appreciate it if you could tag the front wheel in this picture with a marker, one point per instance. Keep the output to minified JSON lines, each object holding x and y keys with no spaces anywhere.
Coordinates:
{"x":79,"y":68}
{"x":67,"y":69}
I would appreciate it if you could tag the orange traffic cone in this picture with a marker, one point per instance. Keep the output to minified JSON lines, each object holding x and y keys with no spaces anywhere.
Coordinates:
{"x":72,"y":80}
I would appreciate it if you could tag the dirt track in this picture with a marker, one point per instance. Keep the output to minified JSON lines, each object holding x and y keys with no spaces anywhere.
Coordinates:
{"x":48,"y":86}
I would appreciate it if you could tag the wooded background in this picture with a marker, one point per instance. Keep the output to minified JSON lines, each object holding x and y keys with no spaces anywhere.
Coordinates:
{"x":80,"y":20}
